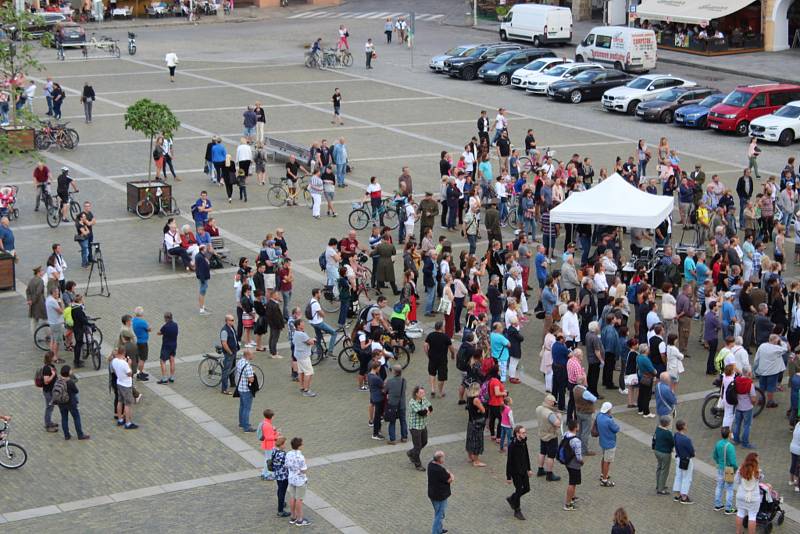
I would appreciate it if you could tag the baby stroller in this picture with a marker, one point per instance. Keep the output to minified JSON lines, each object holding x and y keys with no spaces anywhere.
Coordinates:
{"x":769,"y":512}
{"x":8,"y":200}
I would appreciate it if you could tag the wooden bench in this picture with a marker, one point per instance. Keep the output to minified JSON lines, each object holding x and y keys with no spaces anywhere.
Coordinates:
{"x":218,"y":244}
{"x":166,"y":257}
{"x":278,"y":148}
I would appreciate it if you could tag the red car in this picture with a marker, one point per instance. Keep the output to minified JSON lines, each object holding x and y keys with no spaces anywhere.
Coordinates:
{"x":748,"y":102}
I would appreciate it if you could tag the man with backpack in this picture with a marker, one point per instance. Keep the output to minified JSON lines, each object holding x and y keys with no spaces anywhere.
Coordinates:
{"x":745,"y":392}
{"x":200,"y":209}
{"x":65,"y":396}
{"x":569,"y":455}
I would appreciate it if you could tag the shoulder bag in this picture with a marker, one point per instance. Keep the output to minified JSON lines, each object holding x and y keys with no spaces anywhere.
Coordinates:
{"x":391,"y":413}
{"x":728,"y":472}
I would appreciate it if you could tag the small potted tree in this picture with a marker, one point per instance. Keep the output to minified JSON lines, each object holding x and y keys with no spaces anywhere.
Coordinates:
{"x":151,"y":119}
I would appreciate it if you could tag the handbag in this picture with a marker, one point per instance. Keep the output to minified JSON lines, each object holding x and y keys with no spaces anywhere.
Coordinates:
{"x":632,"y":380}
{"x":728,"y":473}
{"x":254,"y":386}
{"x":236,"y":391}
{"x":445,"y":305}
{"x":647,"y":379}
{"x":683,"y":463}
{"x":247,"y":320}
{"x":594,"y":432}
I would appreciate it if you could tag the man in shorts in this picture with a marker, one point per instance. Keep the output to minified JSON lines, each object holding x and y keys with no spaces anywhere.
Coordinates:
{"x":337,"y":107}
{"x":574,"y":463}
{"x":303,"y":345}
{"x":549,"y":425}
{"x":54,"y":307}
{"x":169,"y":346}
{"x":298,"y":480}
{"x":141,"y":328}
{"x":607,"y":429}
{"x":437,"y":347}
{"x":121,"y":366}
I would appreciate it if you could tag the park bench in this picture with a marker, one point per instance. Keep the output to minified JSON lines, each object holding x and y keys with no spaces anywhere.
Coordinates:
{"x":277,"y":148}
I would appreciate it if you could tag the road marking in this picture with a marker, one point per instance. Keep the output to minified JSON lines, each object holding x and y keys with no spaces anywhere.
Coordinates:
{"x":371,"y":14}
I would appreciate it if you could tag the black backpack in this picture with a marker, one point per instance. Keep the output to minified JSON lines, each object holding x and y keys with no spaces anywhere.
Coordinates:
{"x":463,"y":356}
{"x":731,"y":396}
{"x":308,"y":313}
{"x":565,"y":453}
{"x":60,"y":394}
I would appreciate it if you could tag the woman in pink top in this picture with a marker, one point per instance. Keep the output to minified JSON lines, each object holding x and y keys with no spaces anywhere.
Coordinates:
{"x":268,"y":437}
{"x":481,"y":303}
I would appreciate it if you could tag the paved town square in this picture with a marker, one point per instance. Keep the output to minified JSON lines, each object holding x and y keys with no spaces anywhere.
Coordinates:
{"x":189,"y":466}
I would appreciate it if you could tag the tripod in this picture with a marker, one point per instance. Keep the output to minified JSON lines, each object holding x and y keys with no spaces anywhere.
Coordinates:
{"x":97,"y":260}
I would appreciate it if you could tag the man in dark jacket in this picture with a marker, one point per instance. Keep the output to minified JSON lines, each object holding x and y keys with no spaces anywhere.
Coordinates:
{"x":203,"y":273}
{"x":763,"y":325}
{"x":428,"y":210}
{"x":483,"y":126}
{"x":518,"y":469}
{"x":492,"y":221}
{"x":274,"y":318}
{"x":439,"y":481}
{"x":429,"y":281}
{"x":744,"y":189}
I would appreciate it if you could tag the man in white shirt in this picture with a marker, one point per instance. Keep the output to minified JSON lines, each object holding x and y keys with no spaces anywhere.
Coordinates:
{"x":121,"y":367}
{"x":55,"y":318}
{"x":30,"y":92}
{"x":172,"y":61}
{"x":500,"y":124}
{"x":317,"y":320}
{"x":172,"y":242}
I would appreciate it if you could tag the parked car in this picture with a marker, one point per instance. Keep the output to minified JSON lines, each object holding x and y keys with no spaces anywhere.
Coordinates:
{"x":781,"y":127}
{"x":624,"y":99}
{"x":537,"y":23}
{"x":519,"y":79}
{"x":437,"y":62}
{"x":538,"y":84}
{"x":748,"y":102}
{"x":38,"y":26}
{"x":663,"y":108}
{"x":466,"y":66}
{"x":500,"y":69}
{"x":69,"y":33}
{"x":588,"y":85}
{"x":696,"y":115}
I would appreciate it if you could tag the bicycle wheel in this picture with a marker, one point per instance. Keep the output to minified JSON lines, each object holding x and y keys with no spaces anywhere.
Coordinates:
{"x":348,"y":360}
{"x":389,"y":218}
{"x":173,"y":207}
{"x":73,"y":133}
{"x":74,"y":210}
{"x":41,"y":337}
{"x":42,"y":141}
{"x":259,"y":373}
{"x":96,"y":359}
{"x":512,"y":216}
{"x":316,"y":357}
{"x":53,"y":216}
{"x":210,"y":371}
{"x":358,"y":219}
{"x":758,"y":406}
{"x":277,"y":196}
{"x":115,"y":50}
{"x":712,"y":416}
{"x":401,"y":356}
{"x":347,"y":59}
{"x":64,"y":140}
{"x":12,"y":456}
{"x":310,"y":61}
{"x":526,"y":164}
{"x":98,"y":336}
{"x":329,"y":302}
{"x":145,"y":208}
{"x":305,"y":198}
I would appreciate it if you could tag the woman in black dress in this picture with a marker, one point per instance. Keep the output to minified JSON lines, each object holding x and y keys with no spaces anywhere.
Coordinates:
{"x":476,"y":424}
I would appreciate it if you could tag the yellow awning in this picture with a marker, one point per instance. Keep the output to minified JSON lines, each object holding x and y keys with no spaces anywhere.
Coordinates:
{"x":689,"y":11}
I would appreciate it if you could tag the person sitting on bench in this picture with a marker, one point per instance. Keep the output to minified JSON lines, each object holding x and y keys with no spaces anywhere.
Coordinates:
{"x":172,"y":243}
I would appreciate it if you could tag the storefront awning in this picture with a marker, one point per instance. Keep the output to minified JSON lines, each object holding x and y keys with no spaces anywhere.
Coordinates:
{"x":689,"y":11}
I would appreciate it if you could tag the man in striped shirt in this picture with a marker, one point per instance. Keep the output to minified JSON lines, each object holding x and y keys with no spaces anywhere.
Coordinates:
{"x":575,"y":374}
{"x":245,"y":377}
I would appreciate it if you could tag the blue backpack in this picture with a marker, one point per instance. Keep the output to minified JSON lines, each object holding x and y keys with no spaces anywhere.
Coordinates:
{"x":322,"y":262}
{"x":565,"y":453}
{"x":632,"y":290}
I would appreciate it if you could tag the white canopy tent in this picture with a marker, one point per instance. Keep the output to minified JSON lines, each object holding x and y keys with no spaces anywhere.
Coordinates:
{"x":614,"y":202}
{"x":689,"y":11}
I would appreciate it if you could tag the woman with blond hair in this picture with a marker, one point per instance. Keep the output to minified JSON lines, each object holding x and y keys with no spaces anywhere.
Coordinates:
{"x":622,"y":525}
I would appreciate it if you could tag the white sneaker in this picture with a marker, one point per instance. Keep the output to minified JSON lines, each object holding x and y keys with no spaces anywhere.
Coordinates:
{"x":623,"y":391}
{"x":650,"y":416}
{"x":203,"y":311}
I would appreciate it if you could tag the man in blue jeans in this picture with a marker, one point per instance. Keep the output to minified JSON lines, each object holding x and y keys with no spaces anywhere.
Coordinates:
{"x":317,"y":320}
{"x":439,"y":480}
{"x":743,"y":415}
{"x":245,"y":377}
{"x":340,"y":158}
{"x":724,"y":456}
{"x":230,"y":346}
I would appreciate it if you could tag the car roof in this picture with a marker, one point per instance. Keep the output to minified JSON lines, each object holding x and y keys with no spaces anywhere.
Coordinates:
{"x":659,"y":76}
{"x":795,"y":103}
{"x":761,"y":87}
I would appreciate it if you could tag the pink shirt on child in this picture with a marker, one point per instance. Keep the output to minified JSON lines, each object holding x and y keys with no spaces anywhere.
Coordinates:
{"x":507,"y":418}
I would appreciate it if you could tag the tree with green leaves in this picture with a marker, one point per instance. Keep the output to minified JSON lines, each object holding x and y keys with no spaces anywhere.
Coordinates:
{"x":17,"y":60}
{"x":151,"y":119}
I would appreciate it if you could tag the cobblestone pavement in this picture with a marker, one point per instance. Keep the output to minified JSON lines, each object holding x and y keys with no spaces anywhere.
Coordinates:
{"x":188,"y":465}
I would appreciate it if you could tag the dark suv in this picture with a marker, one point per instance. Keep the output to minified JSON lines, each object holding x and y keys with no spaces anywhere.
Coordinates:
{"x":500,"y":69}
{"x":42,"y":23}
{"x":466,"y":67}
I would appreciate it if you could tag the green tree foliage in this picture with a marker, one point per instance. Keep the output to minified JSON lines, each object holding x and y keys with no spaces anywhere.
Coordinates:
{"x":151,"y":119}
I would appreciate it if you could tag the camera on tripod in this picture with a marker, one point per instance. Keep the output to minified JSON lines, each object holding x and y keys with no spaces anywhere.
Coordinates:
{"x":97,"y":262}
{"x":97,"y":254}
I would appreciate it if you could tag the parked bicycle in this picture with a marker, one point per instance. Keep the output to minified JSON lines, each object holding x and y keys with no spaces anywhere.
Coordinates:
{"x":42,"y":336}
{"x":279,"y":195}
{"x":210,"y":369}
{"x":713,"y":411}
{"x":510,"y":216}
{"x":149,"y":205}
{"x":361,"y":215}
{"x":529,"y":164}
{"x":56,"y":134}
{"x":12,"y":455}
{"x":91,"y":345}
{"x":105,"y":43}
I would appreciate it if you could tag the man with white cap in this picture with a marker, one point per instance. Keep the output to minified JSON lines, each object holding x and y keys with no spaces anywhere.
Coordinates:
{"x":607,"y":430}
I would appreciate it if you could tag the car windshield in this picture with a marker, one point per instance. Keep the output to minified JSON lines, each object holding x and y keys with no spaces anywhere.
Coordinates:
{"x":737,"y":98}
{"x":671,"y":96}
{"x":639,"y":83}
{"x":537,"y":65}
{"x":473,"y":52}
{"x":505,"y":56}
{"x":711,"y":101}
{"x":557,"y":71}
{"x":457,"y":51}
{"x":587,"y":76}
{"x":790,"y":112}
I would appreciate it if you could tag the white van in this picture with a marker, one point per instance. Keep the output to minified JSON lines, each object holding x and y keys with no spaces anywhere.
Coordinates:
{"x":540,"y":24}
{"x":628,"y":49}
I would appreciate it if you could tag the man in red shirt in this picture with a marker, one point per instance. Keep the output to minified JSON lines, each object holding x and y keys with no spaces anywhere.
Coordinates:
{"x":41,"y":179}
{"x":349,"y":246}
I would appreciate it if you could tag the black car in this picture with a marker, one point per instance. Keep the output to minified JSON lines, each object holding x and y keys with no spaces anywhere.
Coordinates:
{"x":663,"y":108}
{"x":500,"y":69}
{"x":42,"y":23}
{"x":588,"y":85}
{"x":466,"y":67}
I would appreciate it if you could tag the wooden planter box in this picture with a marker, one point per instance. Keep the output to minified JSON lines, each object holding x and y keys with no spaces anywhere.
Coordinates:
{"x":19,"y":137}
{"x":138,"y":191}
{"x":7,"y":272}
